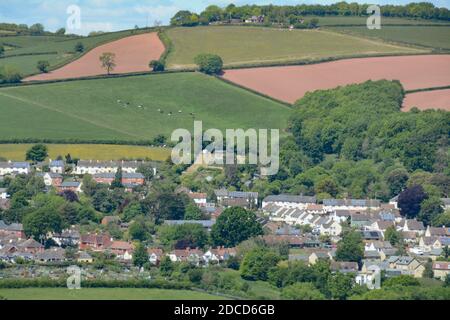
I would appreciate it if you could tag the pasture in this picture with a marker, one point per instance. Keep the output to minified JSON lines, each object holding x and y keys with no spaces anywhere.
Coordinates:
{"x":132,"y":108}
{"x":253,"y":45}
{"x":387,"y":21}
{"x":87,"y":151}
{"x":426,"y":36}
{"x":104,"y":294}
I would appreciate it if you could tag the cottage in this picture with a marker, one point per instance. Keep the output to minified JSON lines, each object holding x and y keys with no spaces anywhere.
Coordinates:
{"x":218,"y":255}
{"x":14,"y":229}
{"x":95,"y":242}
{"x":74,"y":186}
{"x":155,"y":255}
{"x":13,"y":168}
{"x":193,"y":256}
{"x":407,"y":265}
{"x":412,"y":225}
{"x":122,"y":249}
{"x":317,"y":255}
{"x":250,"y":199}
{"x":290,"y":201}
{"x":200,"y":199}
{"x":441,"y":269}
{"x":344,"y":267}
{"x":351,"y":204}
{"x":68,"y":237}
{"x":56,"y":166}
{"x":84,"y":257}
{"x":51,"y":255}
{"x":96,"y":167}
{"x":30,"y":246}
{"x":51,"y":179}
{"x":437,"y":232}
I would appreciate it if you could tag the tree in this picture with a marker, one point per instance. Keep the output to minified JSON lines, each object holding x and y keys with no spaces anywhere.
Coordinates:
{"x":166,"y":266}
{"x":257,"y":264}
{"x":442,"y":220}
{"x":327,"y":185}
{"x":140,"y":230}
{"x":351,"y":247}
{"x":430,"y":210}
{"x":140,"y":256}
{"x":209,"y":63}
{"x":43,"y":66}
{"x":157,"y":66}
{"x":185,"y":18}
{"x":393,"y":236}
{"x":235,"y":225}
{"x":409,"y":201}
{"x":108,"y":60}
{"x":183,"y":236}
{"x":79,"y":47}
{"x":36,"y":29}
{"x":340,"y":285}
{"x":146,"y":170}
{"x":42,"y":221}
{"x":397,"y":180}
{"x":117,"y":182}
{"x":302,"y":291}
{"x":9,"y":75}
{"x":193,"y":212}
{"x":2,"y":50}
{"x":37,"y":153}
{"x":61,"y":31}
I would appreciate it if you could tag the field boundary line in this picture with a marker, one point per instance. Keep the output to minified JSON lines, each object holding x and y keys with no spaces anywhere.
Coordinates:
{"x":43,"y":106}
{"x":427,"y":89}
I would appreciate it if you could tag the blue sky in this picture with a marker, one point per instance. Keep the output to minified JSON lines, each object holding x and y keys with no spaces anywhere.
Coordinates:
{"x":112,"y":15}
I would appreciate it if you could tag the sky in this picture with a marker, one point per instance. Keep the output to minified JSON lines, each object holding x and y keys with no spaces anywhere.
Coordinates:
{"x":113,"y":15}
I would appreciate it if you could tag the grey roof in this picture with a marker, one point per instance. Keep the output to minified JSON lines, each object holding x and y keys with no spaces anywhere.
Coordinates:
{"x":11,"y":227}
{"x":70,"y":184}
{"x":57,"y":163}
{"x":352,"y":202}
{"x":112,"y":164}
{"x":15,"y":165}
{"x":204,"y":223}
{"x":290,"y":198}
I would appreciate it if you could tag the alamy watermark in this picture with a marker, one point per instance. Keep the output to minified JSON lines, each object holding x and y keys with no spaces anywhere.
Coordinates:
{"x":236,"y":150}
{"x":374,"y":20}
{"x":74,"y":280}
{"x":73,"y":22}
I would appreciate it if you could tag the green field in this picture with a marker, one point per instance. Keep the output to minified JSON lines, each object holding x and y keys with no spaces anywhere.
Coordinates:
{"x":104,"y":294}
{"x":433,"y":37}
{"x":237,"y":45}
{"x":61,"y":47}
{"x":351,"y":20}
{"x":87,"y":151}
{"x":90,"y":110}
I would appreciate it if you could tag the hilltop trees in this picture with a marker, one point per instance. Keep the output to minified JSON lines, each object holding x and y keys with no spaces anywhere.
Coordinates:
{"x":108,"y":61}
{"x":37,"y":153}
{"x":185,"y":18}
{"x":209,"y":63}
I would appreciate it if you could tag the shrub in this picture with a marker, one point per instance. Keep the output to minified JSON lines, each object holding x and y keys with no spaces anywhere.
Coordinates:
{"x":9,"y":75}
{"x":157,"y":66}
{"x":209,"y":63}
{"x":43,"y":65}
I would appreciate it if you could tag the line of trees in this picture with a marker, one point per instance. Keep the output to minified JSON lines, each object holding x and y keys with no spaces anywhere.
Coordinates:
{"x":292,"y":14}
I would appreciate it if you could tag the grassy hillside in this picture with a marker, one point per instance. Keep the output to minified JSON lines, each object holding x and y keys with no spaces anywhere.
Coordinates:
{"x":90,"y":110}
{"x":60,"y":47}
{"x":104,"y":294}
{"x":428,"y":36}
{"x":87,"y":151}
{"x":237,"y":45}
{"x":352,"y":20}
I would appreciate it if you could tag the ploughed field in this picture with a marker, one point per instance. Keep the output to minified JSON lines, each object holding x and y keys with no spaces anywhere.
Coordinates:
{"x":132,"y":108}
{"x":257,"y":45}
{"x":133,"y":54}
{"x":23,"y":52}
{"x":293,"y":82}
{"x":435,"y":99}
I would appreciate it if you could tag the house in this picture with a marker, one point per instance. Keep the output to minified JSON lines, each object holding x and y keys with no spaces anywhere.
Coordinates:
{"x":193,"y":256}
{"x":412,"y":225}
{"x":344,"y":267}
{"x":379,"y":246}
{"x":200,"y":199}
{"x":351,"y":204}
{"x":407,"y":265}
{"x":360,"y":220}
{"x":381,"y":225}
{"x":96,"y":167}
{"x":218,"y":255}
{"x":289,"y":201}
{"x":84,"y":257}
{"x":409,"y":237}
{"x":14,"y":229}
{"x":441,"y":269}
{"x":95,"y":242}
{"x":51,"y":255}
{"x":155,"y":255}
{"x":51,"y":179}
{"x":74,"y":186}
{"x":331,"y":228}
{"x":255,"y":19}
{"x":437,"y":232}
{"x":68,"y":237}
{"x":56,"y":166}
{"x":316,"y":255}
{"x":128,"y":178}
{"x":12,"y":168}
{"x":30,"y":246}
{"x":122,"y":249}
{"x":371,"y":235}
{"x":250,"y":199}
{"x":3,"y":194}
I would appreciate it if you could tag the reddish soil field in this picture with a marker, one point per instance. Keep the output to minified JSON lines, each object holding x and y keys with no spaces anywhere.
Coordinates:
{"x":133,"y":54}
{"x":292,"y":82}
{"x":437,"y":99}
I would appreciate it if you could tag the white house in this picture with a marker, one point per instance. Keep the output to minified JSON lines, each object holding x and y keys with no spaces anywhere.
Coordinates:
{"x":3,"y":194}
{"x":351,"y":204}
{"x":289,"y":201}
{"x":95,"y":167}
{"x":56,"y":166}
{"x":14,"y":168}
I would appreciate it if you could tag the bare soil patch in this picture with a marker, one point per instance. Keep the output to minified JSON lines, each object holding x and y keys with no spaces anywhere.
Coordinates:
{"x":436,"y":99}
{"x":291,"y":83}
{"x":133,"y":54}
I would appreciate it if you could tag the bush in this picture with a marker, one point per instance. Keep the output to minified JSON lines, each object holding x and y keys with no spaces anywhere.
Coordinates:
{"x":209,"y":63}
{"x":79,"y":47}
{"x":157,"y":66}
{"x":9,"y":75}
{"x":43,"y":66}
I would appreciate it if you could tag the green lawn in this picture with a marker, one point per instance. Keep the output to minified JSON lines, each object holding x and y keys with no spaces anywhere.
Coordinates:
{"x":62,"y":46}
{"x":104,"y":294}
{"x":237,"y":45}
{"x":90,"y":109}
{"x":433,"y":37}
{"x":88,"y":151}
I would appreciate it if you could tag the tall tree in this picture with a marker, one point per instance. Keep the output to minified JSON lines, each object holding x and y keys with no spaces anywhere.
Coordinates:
{"x":37,"y":153}
{"x":409,"y":201}
{"x":108,"y":60}
{"x":351,"y":247}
